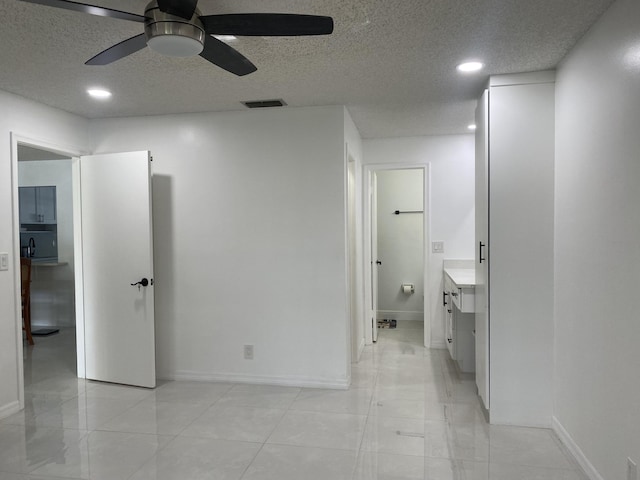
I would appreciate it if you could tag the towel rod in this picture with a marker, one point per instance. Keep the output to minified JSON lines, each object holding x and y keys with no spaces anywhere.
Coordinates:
{"x":398,"y":212}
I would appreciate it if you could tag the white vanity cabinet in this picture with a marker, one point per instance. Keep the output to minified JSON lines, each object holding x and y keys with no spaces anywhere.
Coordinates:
{"x":447,"y":304}
{"x":464,"y":298}
{"x":514,"y":247}
{"x":459,"y":307}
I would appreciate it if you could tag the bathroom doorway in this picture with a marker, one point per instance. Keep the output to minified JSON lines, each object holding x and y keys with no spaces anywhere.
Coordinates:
{"x":397,"y":228}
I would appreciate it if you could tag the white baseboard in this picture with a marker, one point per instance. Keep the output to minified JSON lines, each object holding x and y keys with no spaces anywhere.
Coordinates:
{"x":283,"y":381}
{"x":9,"y":409}
{"x":575,"y":451}
{"x":400,"y":316}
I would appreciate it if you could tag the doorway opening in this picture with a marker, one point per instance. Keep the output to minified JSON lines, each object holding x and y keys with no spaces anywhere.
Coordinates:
{"x":396,"y":253}
{"x":46,"y":234}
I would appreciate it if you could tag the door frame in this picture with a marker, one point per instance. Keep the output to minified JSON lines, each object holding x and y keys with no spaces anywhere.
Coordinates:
{"x":74,"y":154}
{"x":369,"y":171}
{"x":356,"y":341}
{"x":374,"y":255}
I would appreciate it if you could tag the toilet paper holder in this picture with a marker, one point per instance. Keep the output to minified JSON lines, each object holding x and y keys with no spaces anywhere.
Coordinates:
{"x":407,"y":288}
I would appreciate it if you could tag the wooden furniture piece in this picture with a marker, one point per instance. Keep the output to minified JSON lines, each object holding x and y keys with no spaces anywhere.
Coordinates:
{"x":25,"y":277}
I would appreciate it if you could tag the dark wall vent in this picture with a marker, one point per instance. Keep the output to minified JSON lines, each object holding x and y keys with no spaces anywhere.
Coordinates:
{"x":264,"y":103}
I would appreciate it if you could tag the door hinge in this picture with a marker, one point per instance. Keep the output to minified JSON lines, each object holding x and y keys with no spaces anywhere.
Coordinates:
{"x":150,"y":158}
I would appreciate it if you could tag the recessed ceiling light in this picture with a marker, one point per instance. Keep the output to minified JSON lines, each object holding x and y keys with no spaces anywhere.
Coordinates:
{"x":99,"y":93}
{"x":469,"y":67}
{"x":226,"y":38}
{"x":471,"y":127}
{"x":632,"y":57}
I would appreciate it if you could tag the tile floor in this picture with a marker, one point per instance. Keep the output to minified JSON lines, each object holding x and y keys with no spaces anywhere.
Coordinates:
{"x":408,"y":415}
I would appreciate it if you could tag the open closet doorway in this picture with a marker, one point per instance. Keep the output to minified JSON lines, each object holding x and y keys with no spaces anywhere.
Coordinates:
{"x":47,"y":245}
{"x":396,"y":256}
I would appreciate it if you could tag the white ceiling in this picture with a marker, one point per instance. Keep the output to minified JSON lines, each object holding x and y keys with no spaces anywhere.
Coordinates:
{"x":391,"y":62}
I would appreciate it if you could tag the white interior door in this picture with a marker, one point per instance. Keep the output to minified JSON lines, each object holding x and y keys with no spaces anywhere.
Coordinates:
{"x":374,"y":256}
{"x":117,"y":251}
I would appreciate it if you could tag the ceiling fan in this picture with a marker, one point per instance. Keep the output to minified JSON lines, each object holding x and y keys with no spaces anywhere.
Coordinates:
{"x":176,"y":28}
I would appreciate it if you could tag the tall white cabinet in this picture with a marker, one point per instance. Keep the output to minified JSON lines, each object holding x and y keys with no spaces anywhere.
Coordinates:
{"x":514,"y":248}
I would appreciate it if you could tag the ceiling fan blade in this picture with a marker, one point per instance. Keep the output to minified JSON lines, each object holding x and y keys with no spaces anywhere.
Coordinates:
{"x":120,"y":50}
{"x":222,"y":55}
{"x":179,"y":8}
{"x":267,"y":24}
{"x":90,"y":9}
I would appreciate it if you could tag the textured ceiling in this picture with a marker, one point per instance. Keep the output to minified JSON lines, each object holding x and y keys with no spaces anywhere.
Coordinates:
{"x":391,"y":62}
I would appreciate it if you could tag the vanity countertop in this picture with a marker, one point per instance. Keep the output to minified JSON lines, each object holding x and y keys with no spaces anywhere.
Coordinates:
{"x":462,"y":277}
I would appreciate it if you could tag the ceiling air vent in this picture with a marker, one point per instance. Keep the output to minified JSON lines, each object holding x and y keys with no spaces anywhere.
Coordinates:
{"x":264,"y":103}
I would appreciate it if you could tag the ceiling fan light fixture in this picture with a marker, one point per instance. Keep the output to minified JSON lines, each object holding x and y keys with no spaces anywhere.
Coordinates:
{"x":175,"y":45}
{"x":177,"y":28}
{"x":172,"y":35}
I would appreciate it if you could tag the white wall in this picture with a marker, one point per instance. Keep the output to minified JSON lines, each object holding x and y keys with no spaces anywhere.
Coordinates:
{"x":33,"y":120}
{"x":52,"y":299}
{"x":400,"y":243}
{"x":249,"y":226}
{"x":451,"y":197}
{"x":597,"y":225}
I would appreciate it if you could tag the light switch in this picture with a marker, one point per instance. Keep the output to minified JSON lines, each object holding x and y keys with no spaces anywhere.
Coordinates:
{"x":437,"y":247}
{"x":4,"y":261}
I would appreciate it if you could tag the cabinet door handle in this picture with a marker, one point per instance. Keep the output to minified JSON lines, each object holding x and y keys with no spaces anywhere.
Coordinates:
{"x":482,"y":245}
{"x":444,"y":299}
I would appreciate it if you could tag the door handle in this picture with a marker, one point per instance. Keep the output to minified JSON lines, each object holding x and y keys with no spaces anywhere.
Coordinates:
{"x":378,"y":262}
{"x":482,"y":245}
{"x":144,"y":282}
{"x":444,"y":298}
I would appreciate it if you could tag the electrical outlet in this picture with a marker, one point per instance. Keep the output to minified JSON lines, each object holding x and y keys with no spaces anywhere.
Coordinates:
{"x":4,"y":261}
{"x":632,"y":469}
{"x":437,"y":247}
{"x":248,"y":352}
